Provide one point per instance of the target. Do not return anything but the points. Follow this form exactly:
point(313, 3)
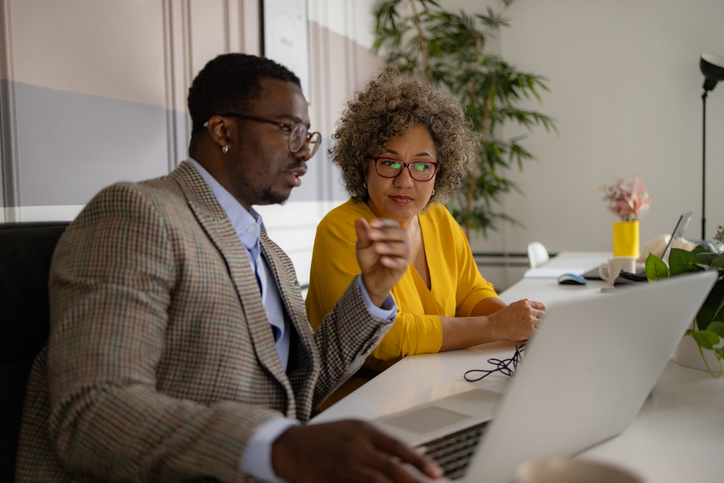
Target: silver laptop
point(584, 377)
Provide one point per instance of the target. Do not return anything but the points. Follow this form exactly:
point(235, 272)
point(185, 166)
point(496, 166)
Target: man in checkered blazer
point(179, 346)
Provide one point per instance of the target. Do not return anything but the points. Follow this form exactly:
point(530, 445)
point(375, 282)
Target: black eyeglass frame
point(435, 165)
point(286, 127)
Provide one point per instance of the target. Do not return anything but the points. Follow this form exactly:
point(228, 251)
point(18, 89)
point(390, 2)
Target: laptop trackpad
point(430, 420)
point(426, 419)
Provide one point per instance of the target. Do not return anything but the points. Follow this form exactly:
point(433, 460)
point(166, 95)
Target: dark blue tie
point(257, 260)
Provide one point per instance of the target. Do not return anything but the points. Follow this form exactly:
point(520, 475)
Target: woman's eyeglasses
point(299, 135)
point(419, 170)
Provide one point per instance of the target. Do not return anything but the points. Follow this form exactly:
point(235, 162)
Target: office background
point(93, 92)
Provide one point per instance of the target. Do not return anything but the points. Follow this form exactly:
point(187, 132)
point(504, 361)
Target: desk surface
point(677, 437)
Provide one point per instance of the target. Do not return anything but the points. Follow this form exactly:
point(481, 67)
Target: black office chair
point(25, 253)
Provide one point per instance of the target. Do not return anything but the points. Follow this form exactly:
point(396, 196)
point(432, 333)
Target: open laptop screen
point(676, 235)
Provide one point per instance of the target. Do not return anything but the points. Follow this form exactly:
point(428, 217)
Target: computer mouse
point(571, 279)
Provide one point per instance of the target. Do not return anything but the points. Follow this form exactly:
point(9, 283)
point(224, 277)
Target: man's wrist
point(256, 459)
point(282, 459)
point(386, 310)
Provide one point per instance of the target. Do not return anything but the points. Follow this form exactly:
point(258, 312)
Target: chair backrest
point(537, 254)
point(25, 253)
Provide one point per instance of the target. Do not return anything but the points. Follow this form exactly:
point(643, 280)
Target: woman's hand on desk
point(517, 321)
point(492, 321)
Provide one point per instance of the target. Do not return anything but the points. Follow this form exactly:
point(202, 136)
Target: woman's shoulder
point(439, 215)
point(349, 209)
point(343, 216)
point(438, 218)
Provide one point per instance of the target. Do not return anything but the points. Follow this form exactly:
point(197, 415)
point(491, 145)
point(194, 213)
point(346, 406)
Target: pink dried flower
point(627, 200)
point(719, 233)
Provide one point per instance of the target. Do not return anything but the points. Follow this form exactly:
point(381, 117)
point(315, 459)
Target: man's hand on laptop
point(348, 450)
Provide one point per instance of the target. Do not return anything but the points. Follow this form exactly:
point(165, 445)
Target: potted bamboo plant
point(420, 37)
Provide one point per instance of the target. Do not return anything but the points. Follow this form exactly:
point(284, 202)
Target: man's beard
point(269, 197)
point(262, 195)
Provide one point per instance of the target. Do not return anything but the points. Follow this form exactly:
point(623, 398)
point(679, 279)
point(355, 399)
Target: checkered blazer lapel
point(302, 369)
point(215, 222)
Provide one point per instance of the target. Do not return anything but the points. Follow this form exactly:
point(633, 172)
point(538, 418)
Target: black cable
point(503, 366)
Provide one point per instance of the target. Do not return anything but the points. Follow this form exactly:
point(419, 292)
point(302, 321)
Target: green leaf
point(717, 327)
point(704, 248)
point(711, 310)
point(705, 339)
point(718, 262)
point(656, 268)
point(706, 258)
point(682, 261)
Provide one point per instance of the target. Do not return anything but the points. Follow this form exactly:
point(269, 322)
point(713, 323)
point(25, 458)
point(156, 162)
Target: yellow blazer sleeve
point(410, 334)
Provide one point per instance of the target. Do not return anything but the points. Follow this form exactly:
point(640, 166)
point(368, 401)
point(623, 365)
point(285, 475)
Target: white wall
point(94, 93)
point(626, 94)
point(625, 91)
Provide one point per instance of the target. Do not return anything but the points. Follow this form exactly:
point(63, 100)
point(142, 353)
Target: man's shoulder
point(162, 189)
point(131, 207)
point(135, 195)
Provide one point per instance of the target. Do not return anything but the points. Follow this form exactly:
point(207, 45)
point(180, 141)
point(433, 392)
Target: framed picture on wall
point(285, 37)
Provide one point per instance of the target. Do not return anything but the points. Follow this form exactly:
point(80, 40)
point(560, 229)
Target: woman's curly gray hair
point(388, 107)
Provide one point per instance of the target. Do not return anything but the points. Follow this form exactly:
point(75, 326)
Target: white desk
point(568, 262)
point(678, 437)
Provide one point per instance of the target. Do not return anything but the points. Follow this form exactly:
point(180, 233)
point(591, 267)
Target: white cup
point(573, 470)
point(609, 271)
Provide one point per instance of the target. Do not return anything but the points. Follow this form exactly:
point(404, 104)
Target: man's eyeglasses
point(419, 170)
point(299, 135)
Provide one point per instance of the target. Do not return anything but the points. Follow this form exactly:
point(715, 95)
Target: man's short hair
point(228, 83)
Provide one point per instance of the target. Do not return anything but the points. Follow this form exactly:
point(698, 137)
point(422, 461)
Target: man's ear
point(218, 127)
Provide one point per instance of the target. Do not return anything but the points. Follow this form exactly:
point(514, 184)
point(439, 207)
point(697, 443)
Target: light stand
point(712, 66)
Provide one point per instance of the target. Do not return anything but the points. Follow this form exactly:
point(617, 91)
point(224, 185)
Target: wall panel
point(101, 48)
point(94, 92)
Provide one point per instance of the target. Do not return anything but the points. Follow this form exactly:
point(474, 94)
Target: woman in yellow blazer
point(403, 149)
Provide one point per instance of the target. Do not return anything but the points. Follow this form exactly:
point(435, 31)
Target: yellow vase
point(626, 239)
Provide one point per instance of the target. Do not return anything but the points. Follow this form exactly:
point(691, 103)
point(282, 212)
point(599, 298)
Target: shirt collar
point(247, 224)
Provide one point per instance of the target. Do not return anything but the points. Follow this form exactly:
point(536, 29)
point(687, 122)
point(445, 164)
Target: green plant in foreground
point(708, 326)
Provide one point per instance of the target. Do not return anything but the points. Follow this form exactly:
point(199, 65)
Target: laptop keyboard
point(454, 451)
